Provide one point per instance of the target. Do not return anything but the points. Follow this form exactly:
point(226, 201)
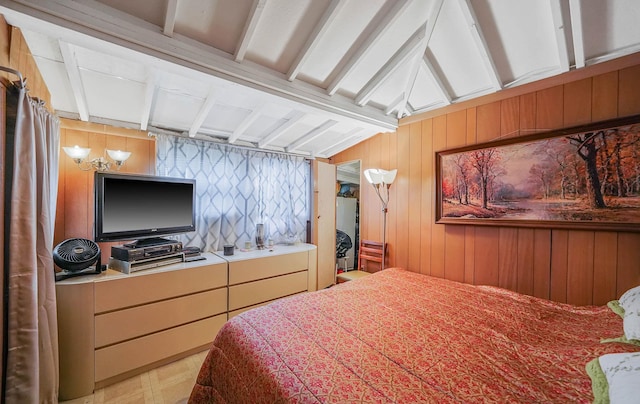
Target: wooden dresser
point(113, 325)
point(259, 276)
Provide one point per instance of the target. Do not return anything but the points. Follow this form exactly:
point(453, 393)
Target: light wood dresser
point(258, 277)
point(113, 325)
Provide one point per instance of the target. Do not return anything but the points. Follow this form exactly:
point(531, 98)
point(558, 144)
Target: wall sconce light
point(79, 154)
point(382, 179)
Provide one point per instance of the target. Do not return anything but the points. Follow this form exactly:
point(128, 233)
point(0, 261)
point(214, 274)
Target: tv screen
point(131, 207)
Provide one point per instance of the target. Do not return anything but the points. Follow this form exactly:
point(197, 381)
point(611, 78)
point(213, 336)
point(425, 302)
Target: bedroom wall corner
point(579, 267)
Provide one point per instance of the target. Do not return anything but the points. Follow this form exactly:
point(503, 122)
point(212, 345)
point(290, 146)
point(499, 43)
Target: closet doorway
point(347, 215)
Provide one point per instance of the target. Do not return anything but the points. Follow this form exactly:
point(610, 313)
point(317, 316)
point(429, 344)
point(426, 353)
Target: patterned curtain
point(238, 188)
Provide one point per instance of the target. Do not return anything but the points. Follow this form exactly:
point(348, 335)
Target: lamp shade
point(76, 152)
point(118, 155)
point(377, 176)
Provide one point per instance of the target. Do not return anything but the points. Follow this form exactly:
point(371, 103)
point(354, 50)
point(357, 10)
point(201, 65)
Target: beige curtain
point(32, 340)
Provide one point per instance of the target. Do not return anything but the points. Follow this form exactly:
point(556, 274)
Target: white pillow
point(622, 371)
point(630, 302)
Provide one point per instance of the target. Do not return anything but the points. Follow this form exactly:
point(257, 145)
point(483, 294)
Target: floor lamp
point(382, 179)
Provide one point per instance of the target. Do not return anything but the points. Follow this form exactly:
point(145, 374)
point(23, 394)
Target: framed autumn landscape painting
point(586, 177)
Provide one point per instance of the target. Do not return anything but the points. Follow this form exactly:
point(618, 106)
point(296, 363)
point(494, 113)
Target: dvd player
point(131, 254)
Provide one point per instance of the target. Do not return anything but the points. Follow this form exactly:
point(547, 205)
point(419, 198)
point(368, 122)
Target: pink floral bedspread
point(397, 336)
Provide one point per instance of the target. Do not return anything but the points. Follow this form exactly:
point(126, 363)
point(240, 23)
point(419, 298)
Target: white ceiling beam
point(560, 34)
point(310, 136)
point(249, 29)
point(100, 21)
point(382, 26)
point(481, 43)
point(73, 72)
point(244, 125)
point(319, 31)
point(170, 17)
point(149, 95)
point(408, 49)
point(575, 8)
point(411, 82)
point(429, 69)
point(297, 116)
point(202, 114)
point(396, 104)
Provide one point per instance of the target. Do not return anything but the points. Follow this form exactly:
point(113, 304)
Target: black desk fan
point(76, 256)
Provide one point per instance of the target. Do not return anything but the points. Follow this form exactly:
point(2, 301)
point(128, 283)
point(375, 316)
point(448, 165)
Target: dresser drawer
point(121, 325)
point(248, 294)
point(133, 354)
point(267, 267)
point(137, 289)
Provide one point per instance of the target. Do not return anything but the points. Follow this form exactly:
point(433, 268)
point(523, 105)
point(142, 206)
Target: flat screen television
point(142, 207)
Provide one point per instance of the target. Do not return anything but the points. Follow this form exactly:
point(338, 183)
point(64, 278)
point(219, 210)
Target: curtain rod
point(153, 132)
point(15, 72)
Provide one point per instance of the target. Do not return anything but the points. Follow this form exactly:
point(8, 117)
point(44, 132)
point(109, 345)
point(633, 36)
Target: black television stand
point(148, 242)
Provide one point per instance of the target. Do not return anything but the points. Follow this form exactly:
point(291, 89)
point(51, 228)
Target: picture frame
point(583, 177)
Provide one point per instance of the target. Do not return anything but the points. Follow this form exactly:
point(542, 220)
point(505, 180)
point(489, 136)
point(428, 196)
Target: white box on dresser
point(114, 325)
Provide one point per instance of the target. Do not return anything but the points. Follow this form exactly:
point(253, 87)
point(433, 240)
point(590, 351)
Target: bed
point(398, 336)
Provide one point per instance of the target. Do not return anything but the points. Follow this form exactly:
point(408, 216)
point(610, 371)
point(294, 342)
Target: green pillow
point(614, 305)
point(599, 383)
point(622, 339)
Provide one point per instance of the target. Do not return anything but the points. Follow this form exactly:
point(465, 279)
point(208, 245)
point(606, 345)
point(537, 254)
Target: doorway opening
point(347, 215)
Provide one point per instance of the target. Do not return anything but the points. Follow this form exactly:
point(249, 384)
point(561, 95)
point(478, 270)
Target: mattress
point(398, 336)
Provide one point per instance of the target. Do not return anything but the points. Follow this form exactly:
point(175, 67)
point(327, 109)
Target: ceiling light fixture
point(79, 154)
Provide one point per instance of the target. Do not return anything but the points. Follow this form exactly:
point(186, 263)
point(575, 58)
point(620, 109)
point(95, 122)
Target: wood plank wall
point(579, 267)
point(74, 212)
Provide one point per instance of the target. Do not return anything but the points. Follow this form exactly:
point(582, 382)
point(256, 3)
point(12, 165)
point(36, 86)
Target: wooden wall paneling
point(402, 198)
point(527, 113)
point(605, 261)
point(98, 145)
point(508, 258)
point(454, 239)
point(472, 122)
point(526, 261)
point(542, 263)
point(580, 267)
point(488, 122)
point(549, 108)
point(577, 102)
point(438, 230)
point(393, 199)
point(76, 190)
point(559, 246)
point(454, 244)
point(427, 195)
point(470, 231)
point(143, 157)
point(629, 91)
point(604, 96)
point(415, 196)
point(628, 274)
point(469, 254)
point(456, 129)
point(487, 255)
point(510, 117)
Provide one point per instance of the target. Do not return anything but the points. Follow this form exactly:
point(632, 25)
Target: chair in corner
point(369, 260)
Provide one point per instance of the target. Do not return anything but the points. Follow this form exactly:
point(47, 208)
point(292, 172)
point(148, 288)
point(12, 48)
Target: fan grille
point(75, 254)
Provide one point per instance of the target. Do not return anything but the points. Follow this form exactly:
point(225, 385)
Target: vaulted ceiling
point(311, 77)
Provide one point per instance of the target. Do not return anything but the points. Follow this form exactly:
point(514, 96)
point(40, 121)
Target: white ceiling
point(312, 77)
